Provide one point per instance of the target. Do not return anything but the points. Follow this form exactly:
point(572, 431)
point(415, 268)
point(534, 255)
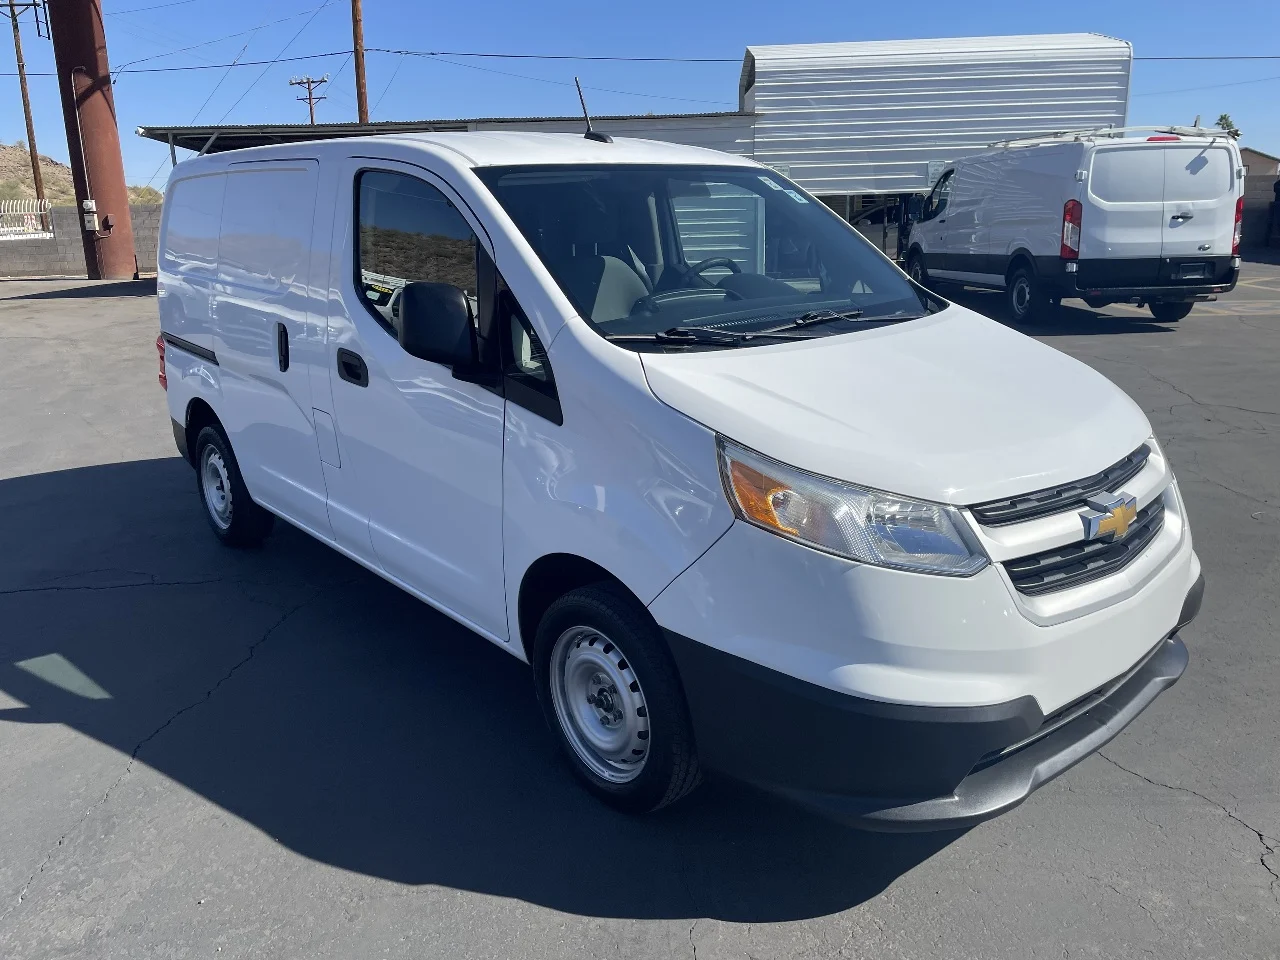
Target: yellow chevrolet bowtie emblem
point(1110, 517)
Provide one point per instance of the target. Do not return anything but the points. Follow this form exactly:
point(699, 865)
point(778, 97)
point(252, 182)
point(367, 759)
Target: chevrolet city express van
point(657, 422)
point(1107, 216)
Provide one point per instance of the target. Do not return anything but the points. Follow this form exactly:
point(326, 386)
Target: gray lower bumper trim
point(991, 790)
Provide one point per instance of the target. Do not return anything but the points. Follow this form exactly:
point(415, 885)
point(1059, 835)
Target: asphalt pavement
point(211, 753)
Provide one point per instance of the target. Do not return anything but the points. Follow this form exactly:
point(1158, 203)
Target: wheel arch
point(547, 579)
point(1021, 257)
point(199, 415)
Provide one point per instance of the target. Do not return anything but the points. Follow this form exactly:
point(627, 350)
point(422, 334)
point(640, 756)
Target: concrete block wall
point(62, 255)
point(1258, 197)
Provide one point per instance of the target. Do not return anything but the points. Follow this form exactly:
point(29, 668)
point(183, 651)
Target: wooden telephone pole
point(14, 9)
point(357, 38)
point(310, 99)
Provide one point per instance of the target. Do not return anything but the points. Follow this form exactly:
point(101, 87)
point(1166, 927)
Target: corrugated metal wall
point(847, 118)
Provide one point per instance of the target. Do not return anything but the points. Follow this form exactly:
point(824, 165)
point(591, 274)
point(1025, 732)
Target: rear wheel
point(236, 520)
point(611, 695)
point(1027, 302)
point(1167, 312)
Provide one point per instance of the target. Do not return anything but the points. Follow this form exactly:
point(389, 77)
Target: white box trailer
point(878, 117)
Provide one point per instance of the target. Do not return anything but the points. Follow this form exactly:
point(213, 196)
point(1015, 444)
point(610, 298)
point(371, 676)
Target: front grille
point(1068, 496)
point(1077, 563)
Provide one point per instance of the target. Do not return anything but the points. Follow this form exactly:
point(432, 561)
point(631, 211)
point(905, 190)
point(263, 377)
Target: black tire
point(243, 523)
point(1167, 312)
point(1025, 298)
point(603, 620)
point(916, 270)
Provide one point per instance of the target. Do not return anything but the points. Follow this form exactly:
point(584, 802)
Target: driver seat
point(604, 287)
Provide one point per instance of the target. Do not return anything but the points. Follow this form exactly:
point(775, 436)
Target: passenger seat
point(604, 287)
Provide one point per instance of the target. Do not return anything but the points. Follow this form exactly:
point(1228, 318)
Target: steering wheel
point(707, 264)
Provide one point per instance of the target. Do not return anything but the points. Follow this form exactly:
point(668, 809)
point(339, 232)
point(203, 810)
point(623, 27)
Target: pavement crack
point(133, 755)
point(692, 945)
point(1269, 844)
point(112, 586)
point(1177, 389)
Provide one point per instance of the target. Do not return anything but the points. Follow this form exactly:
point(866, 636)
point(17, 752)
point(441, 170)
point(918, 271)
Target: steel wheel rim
point(599, 704)
point(216, 486)
point(917, 274)
point(1021, 296)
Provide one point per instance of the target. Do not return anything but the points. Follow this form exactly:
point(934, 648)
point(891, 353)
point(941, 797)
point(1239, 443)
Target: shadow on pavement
point(357, 726)
point(1072, 319)
point(121, 288)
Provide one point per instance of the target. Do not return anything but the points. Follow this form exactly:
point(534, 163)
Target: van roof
point(486, 148)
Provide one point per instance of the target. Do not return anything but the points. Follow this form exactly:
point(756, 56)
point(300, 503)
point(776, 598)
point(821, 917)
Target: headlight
point(864, 525)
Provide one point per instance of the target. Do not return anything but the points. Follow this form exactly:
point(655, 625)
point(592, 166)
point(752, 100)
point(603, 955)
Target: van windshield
point(645, 249)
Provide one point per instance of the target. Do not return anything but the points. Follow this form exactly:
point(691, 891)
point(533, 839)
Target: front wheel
point(916, 270)
point(1167, 312)
point(610, 694)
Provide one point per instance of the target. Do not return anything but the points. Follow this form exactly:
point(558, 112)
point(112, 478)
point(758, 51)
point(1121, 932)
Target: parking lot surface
point(209, 753)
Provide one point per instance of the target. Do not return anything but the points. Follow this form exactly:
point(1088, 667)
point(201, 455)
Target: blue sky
point(405, 88)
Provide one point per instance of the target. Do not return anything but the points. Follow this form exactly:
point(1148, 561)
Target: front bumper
point(899, 767)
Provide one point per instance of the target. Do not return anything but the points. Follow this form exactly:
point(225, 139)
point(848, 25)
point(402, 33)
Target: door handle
point(282, 347)
point(352, 368)
point(1182, 216)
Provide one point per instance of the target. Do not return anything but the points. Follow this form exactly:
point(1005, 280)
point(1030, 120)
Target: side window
point(526, 371)
point(408, 231)
point(937, 201)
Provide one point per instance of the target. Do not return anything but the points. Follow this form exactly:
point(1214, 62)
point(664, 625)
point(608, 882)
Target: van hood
point(953, 408)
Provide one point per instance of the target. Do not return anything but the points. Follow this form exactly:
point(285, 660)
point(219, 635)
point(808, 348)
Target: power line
point(229, 36)
point(399, 64)
point(552, 56)
point(315, 13)
point(1212, 86)
point(158, 6)
point(207, 66)
point(564, 83)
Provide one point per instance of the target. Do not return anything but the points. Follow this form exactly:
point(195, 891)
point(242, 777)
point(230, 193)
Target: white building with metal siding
point(856, 118)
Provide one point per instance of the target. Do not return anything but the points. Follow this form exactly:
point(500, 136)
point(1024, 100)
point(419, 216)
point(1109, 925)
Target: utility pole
point(311, 99)
point(357, 38)
point(36, 176)
point(93, 142)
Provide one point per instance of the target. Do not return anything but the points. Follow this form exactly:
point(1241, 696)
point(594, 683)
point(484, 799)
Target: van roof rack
point(1075, 135)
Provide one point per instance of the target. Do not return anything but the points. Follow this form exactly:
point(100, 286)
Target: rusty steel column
point(93, 141)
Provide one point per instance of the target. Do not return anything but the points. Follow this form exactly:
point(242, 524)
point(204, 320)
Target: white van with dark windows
point(654, 420)
point(1107, 216)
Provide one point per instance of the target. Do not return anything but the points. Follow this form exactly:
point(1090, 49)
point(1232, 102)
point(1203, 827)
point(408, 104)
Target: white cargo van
point(656, 421)
point(1107, 216)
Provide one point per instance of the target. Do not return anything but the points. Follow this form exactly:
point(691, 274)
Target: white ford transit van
point(654, 420)
point(1105, 216)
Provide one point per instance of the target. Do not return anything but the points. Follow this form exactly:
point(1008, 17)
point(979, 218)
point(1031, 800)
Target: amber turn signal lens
point(755, 492)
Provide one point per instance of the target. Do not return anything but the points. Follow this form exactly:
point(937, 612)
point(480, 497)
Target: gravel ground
point(276, 754)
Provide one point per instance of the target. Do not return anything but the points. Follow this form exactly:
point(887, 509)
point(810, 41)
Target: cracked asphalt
point(207, 753)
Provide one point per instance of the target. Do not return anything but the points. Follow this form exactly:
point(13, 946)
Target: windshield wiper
point(816, 316)
point(701, 336)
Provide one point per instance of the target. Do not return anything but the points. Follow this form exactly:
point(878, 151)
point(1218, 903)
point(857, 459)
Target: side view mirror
point(915, 206)
point(435, 324)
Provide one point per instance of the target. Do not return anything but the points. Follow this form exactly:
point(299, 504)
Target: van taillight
point(164, 379)
point(1071, 211)
point(1236, 234)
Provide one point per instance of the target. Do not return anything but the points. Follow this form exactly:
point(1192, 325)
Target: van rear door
point(1124, 211)
point(1199, 200)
